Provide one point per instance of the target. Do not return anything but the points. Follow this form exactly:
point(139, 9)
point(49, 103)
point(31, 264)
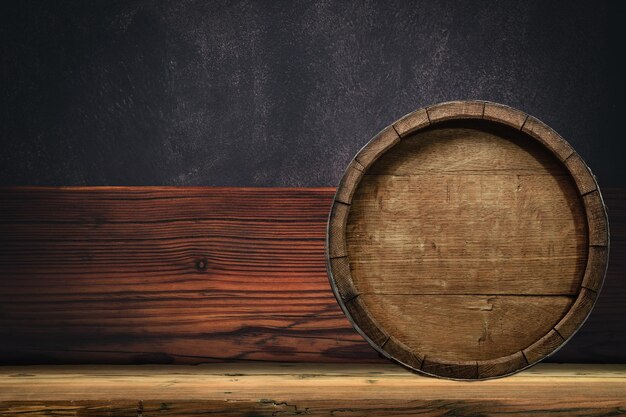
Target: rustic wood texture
point(519, 320)
point(110, 275)
point(167, 275)
point(377, 146)
point(306, 389)
point(469, 241)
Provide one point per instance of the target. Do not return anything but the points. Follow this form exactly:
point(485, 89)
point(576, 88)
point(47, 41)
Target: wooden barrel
point(467, 240)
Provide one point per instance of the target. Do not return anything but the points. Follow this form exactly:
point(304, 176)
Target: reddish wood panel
point(191, 275)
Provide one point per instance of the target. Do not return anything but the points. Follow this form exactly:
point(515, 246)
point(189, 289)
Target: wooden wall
point(192, 275)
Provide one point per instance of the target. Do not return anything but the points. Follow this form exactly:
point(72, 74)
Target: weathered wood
point(376, 147)
point(505, 114)
point(603, 337)
point(455, 231)
point(519, 320)
point(336, 237)
point(352, 176)
point(411, 122)
point(470, 241)
point(548, 137)
point(70, 294)
point(306, 389)
point(455, 110)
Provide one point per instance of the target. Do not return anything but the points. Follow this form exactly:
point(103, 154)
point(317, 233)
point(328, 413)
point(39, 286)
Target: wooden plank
point(485, 326)
point(505, 114)
point(377, 146)
point(411, 122)
point(455, 110)
point(353, 175)
point(306, 389)
point(476, 234)
point(438, 150)
point(548, 136)
point(263, 295)
point(161, 275)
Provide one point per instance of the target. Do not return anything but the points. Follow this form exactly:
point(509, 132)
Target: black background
point(283, 93)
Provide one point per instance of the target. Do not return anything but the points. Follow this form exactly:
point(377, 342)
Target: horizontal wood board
point(347, 390)
point(193, 275)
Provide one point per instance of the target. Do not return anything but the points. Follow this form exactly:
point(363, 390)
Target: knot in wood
point(201, 265)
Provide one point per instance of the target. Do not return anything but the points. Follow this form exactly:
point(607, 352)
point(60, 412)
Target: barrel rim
point(597, 251)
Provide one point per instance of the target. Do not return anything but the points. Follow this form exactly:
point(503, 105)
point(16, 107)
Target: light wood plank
point(296, 389)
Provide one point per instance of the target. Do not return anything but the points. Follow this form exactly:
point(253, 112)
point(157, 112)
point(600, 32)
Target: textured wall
point(272, 93)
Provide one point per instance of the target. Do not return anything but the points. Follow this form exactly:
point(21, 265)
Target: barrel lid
point(467, 240)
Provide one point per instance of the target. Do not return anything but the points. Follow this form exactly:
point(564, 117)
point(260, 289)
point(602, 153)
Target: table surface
point(260, 389)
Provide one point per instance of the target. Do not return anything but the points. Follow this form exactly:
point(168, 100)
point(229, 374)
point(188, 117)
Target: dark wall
point(272, 93)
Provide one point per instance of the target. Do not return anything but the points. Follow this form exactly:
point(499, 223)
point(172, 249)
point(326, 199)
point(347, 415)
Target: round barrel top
point(467, 240)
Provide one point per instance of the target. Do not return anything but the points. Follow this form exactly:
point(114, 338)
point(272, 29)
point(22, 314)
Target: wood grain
point(167, 275)
point(504, 323)
point(455, 110)
point(468, 240)
point(474, 234)
point(255, 389)
point(69, 294)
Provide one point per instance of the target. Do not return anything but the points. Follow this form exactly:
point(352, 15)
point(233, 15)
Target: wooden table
point(287, 389)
